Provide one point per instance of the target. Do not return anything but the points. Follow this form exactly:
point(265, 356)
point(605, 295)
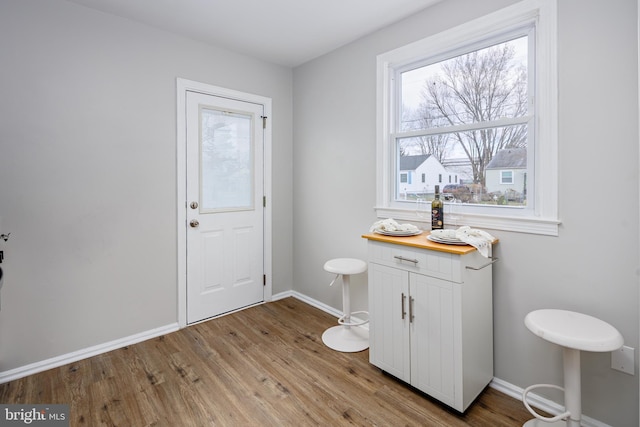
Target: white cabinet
point(431, 319)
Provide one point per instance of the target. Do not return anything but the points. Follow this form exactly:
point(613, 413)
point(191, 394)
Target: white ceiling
point(286, 32)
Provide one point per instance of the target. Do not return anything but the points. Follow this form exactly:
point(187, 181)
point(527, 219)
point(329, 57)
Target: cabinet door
point(432, 336)
point(389, 320)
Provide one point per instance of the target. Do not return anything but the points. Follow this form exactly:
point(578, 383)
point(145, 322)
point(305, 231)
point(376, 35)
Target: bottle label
point(436, 219)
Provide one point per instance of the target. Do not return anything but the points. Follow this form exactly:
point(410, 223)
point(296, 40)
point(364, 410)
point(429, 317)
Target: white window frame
point(543, 217)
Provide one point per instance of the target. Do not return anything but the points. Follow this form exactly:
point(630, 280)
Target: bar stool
point(575, 332)
point(344, 337)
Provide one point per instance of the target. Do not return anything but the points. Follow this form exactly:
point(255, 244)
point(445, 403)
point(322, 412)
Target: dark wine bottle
point(437, 220)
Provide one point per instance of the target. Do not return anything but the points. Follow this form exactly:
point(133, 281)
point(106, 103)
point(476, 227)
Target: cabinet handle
point(411, 300)
point(401, 258)
point(402, 306)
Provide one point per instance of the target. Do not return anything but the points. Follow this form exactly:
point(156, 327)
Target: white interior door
point(225, 213)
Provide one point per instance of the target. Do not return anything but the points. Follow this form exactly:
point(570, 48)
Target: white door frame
point(184, 86)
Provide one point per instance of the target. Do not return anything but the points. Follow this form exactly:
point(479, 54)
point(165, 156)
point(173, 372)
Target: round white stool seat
point(575, 332)
point(346, 337)
point(345, 266)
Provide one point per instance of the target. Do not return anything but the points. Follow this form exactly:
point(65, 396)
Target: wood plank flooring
point(263, 366)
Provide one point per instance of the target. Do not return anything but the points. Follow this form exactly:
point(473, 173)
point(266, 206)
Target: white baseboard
point(312, 302)
point(319, 305)
point(64, 359)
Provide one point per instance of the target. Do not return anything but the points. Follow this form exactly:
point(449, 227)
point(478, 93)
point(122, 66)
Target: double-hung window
point(473, 102)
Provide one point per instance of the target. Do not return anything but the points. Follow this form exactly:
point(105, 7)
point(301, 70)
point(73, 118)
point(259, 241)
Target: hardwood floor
point(263, 366)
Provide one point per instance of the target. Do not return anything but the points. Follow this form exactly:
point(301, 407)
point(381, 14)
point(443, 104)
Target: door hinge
point(264, 280)
point(264, 201)
point(264, 122)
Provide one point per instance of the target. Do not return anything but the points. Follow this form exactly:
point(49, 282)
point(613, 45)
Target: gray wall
point(88, 173)
point(591, 267)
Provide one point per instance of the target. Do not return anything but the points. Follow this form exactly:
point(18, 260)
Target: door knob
point(194, 223)
point(194, 205)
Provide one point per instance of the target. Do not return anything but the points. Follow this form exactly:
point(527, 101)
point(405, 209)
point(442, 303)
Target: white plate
point(459, 243)
point(398, 233)
point(445, 239)
point(445, 242)
point(444, 234)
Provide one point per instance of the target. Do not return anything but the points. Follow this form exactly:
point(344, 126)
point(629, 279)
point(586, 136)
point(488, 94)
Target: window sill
point(542, 226)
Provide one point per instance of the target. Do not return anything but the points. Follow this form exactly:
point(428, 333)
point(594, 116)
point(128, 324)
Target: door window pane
point(226, 160)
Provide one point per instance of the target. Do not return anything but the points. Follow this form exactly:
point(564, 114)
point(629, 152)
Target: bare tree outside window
point(465, 110)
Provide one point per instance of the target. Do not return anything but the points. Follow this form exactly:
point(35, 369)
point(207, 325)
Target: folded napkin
point(391, 225)
point(479, 239)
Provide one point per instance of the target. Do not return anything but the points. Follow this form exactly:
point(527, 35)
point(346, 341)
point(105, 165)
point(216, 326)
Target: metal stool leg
point(572, 392)
point(346, 302)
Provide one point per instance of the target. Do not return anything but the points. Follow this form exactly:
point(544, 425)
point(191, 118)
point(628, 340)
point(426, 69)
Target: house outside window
point(425, 166)
point(427, 109)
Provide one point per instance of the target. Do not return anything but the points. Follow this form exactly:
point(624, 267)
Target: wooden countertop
point(421, 241)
